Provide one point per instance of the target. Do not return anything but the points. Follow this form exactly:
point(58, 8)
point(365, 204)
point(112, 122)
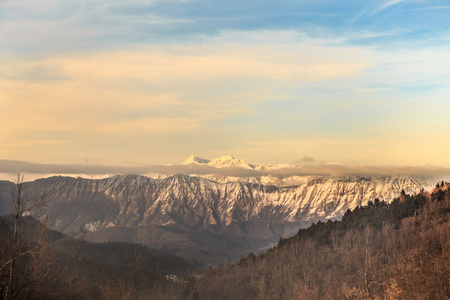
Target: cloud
point(305, 159)
point(145, 104)
point(385, 5)
point(345, 170)
point(376, 10)
point(102, 99)
point(438, 7)
point(10, 168)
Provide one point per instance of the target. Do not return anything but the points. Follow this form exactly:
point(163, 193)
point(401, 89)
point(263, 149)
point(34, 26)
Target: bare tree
point(24, 241)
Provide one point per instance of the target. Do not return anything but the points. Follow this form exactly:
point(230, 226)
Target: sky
point(134, 83)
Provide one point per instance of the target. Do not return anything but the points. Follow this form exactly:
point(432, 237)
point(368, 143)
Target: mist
point(10, 168)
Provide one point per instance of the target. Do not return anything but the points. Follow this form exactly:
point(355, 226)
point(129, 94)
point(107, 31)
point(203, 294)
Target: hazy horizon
point(31, 171)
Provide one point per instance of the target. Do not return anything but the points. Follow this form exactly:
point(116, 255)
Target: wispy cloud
point(306, 159)
point(155, 92)
point(373, 11)
point(230, 94)
point(384, 6)
point(437, 7)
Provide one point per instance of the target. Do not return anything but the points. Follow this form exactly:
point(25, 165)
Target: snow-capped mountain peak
point(193, 159)
point(219, 162)
point(225, 158)
point(229, 161)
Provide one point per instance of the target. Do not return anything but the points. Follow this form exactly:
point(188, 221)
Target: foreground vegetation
point(399, 250)
point(38, 263)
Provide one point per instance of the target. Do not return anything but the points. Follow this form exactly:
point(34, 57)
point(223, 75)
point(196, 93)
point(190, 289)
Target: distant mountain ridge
point(198, 218)
point(193, 159)
point(226, 161)
point(229, 161)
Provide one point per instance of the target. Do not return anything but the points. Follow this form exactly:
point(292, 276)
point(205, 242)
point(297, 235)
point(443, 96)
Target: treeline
point(399, 250)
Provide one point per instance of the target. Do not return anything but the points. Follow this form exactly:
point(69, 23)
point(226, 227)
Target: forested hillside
point(399, 250)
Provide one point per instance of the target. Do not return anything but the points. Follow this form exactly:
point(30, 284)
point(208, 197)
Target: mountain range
point(203, 220)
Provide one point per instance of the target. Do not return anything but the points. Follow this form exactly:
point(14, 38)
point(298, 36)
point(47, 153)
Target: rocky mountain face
point(202, 219)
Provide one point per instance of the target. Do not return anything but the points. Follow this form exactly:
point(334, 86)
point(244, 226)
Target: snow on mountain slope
point(226, 161)
point(209, 215)
point(195, 160)
point(229, 161)
point(194, 201)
